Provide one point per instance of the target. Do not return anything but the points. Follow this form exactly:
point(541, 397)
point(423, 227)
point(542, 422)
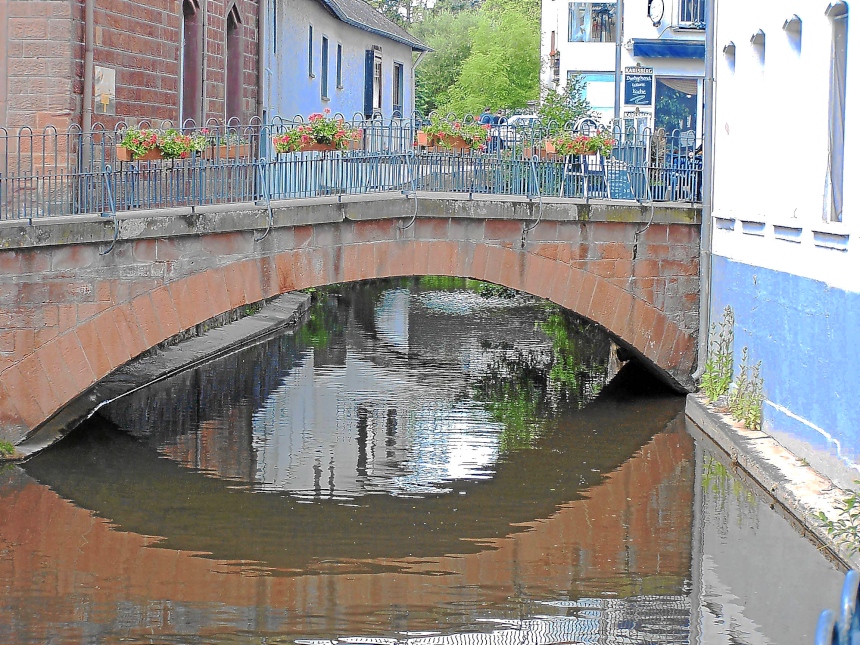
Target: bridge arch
point(81, 315)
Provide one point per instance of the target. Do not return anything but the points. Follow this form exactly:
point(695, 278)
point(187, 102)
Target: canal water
point(422, 462)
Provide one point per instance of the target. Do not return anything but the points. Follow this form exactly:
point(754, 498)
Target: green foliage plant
point(562, 109)
point(720, 363)
point(845, 529)
point(747, 395)
point(6, 449)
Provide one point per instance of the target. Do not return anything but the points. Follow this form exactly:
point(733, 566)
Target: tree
point(402, 12)
point(449, 35)
point(568, 106)
point(503, 66)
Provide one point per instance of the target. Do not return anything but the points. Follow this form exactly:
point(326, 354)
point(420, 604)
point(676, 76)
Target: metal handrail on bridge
point(53, 173)
point(843, 629)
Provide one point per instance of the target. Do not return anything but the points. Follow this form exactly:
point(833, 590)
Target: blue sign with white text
point(638, 87)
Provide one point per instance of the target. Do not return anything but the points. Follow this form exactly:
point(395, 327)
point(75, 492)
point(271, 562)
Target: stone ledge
point(801, 491)
point(159, 364)
point(226, 218)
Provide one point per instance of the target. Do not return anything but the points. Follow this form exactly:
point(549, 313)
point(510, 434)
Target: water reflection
point(418, 465)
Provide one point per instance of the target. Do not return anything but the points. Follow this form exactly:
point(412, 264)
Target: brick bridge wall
point(69, 315)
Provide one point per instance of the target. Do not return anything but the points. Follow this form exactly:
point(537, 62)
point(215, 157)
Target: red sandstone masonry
point(89, 326)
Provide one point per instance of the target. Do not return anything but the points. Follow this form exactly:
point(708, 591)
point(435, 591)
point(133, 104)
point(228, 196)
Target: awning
point(660, 48)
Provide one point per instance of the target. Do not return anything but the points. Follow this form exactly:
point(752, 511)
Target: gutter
point(87, 112)
point(705, 251)
point(262, 21)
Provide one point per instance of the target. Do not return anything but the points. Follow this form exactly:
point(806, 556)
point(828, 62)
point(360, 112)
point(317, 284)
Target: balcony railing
point(691, 14)
point(51, 173)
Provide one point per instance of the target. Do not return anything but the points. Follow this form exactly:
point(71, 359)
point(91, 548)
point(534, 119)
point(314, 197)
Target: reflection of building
point(785, 219)
point(582, 571)
point(579, 37)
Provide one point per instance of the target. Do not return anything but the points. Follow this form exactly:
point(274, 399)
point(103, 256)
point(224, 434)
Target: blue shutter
point(368, 83)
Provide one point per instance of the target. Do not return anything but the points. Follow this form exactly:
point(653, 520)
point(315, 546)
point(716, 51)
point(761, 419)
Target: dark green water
point(417, 463)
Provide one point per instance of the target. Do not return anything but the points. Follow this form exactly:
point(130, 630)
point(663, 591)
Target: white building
point(667, 36)
point(786, 215)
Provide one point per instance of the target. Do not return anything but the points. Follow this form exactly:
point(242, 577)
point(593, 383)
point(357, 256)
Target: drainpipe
point(619, 41)
point(87, 112)
point(262, 21)
point(705, 257)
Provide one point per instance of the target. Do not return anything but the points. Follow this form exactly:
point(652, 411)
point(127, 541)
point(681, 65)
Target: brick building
point(151, 60)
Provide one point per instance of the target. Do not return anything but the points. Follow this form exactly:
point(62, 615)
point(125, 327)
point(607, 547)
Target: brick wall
point(140, 40)
point(40, 63)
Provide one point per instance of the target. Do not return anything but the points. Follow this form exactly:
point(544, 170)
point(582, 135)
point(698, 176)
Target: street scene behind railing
point(158, 165)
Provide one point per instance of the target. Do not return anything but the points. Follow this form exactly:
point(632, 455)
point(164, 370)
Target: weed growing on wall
point(747, 394)
point(720, 363)
point(845, 530)
point(6, 449)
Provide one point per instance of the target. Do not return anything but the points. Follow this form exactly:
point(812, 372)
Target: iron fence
point(51, 173)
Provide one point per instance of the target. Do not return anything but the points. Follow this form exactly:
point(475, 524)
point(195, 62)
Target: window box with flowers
point(149, 145)
point(567, 144)
point(321, 133)
point(227, 145)
point(458, 135)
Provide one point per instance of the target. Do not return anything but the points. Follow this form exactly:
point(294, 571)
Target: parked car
point(514, 130)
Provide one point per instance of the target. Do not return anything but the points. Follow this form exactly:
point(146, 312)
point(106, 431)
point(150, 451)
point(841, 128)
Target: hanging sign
point(638, 85)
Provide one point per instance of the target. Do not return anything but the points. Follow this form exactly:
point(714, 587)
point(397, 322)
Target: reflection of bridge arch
point(78, 315)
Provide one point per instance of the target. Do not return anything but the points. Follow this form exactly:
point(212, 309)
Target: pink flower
point(327, 111)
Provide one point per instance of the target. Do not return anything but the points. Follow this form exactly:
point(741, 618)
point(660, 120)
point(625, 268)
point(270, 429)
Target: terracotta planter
point(124, 154)
point(317, 147)
point(455, 143)
point(424, 139)
point(233, 151)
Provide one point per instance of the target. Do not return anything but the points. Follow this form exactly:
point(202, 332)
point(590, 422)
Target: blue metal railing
point(66, 173)
point(843, 629)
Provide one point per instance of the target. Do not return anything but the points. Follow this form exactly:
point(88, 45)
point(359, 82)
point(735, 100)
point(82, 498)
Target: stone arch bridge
point(71, 312)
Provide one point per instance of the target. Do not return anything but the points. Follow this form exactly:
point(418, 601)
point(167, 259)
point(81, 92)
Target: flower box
point(124, 154)
point(317, 147)
point(454, 143)
point(424, 139)
point(232, 151)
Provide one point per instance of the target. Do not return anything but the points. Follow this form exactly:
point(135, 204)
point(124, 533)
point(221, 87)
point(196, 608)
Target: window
point(599, 89)
point(691, 14)
point(838, 14)
point(234, 66)
point(311, 51)
point(338, 70)
point(377, 83)
point(397, 107)
point(191, 84)
point(274, 11)
point(591, 22)
point(324, 68)
point(372, 81)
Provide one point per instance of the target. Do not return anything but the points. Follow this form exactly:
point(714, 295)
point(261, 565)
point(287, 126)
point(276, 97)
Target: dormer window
point(591, 22)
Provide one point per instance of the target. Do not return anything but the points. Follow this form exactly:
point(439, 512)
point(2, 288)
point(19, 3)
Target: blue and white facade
point(581, 37)
point(337, 54)
point(786, 216)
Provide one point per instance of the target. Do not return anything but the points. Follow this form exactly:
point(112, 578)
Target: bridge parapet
point(72, 312)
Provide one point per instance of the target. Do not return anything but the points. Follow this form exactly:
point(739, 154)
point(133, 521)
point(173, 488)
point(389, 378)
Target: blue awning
point(658, 48)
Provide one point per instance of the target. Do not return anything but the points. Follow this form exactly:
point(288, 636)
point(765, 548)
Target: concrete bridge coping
point(70, 313)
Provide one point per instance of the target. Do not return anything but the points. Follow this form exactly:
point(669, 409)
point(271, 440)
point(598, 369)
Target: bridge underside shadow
point(78, 315)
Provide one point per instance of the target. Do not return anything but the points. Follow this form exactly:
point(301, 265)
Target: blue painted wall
point(807, 336)
point(291, 91)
